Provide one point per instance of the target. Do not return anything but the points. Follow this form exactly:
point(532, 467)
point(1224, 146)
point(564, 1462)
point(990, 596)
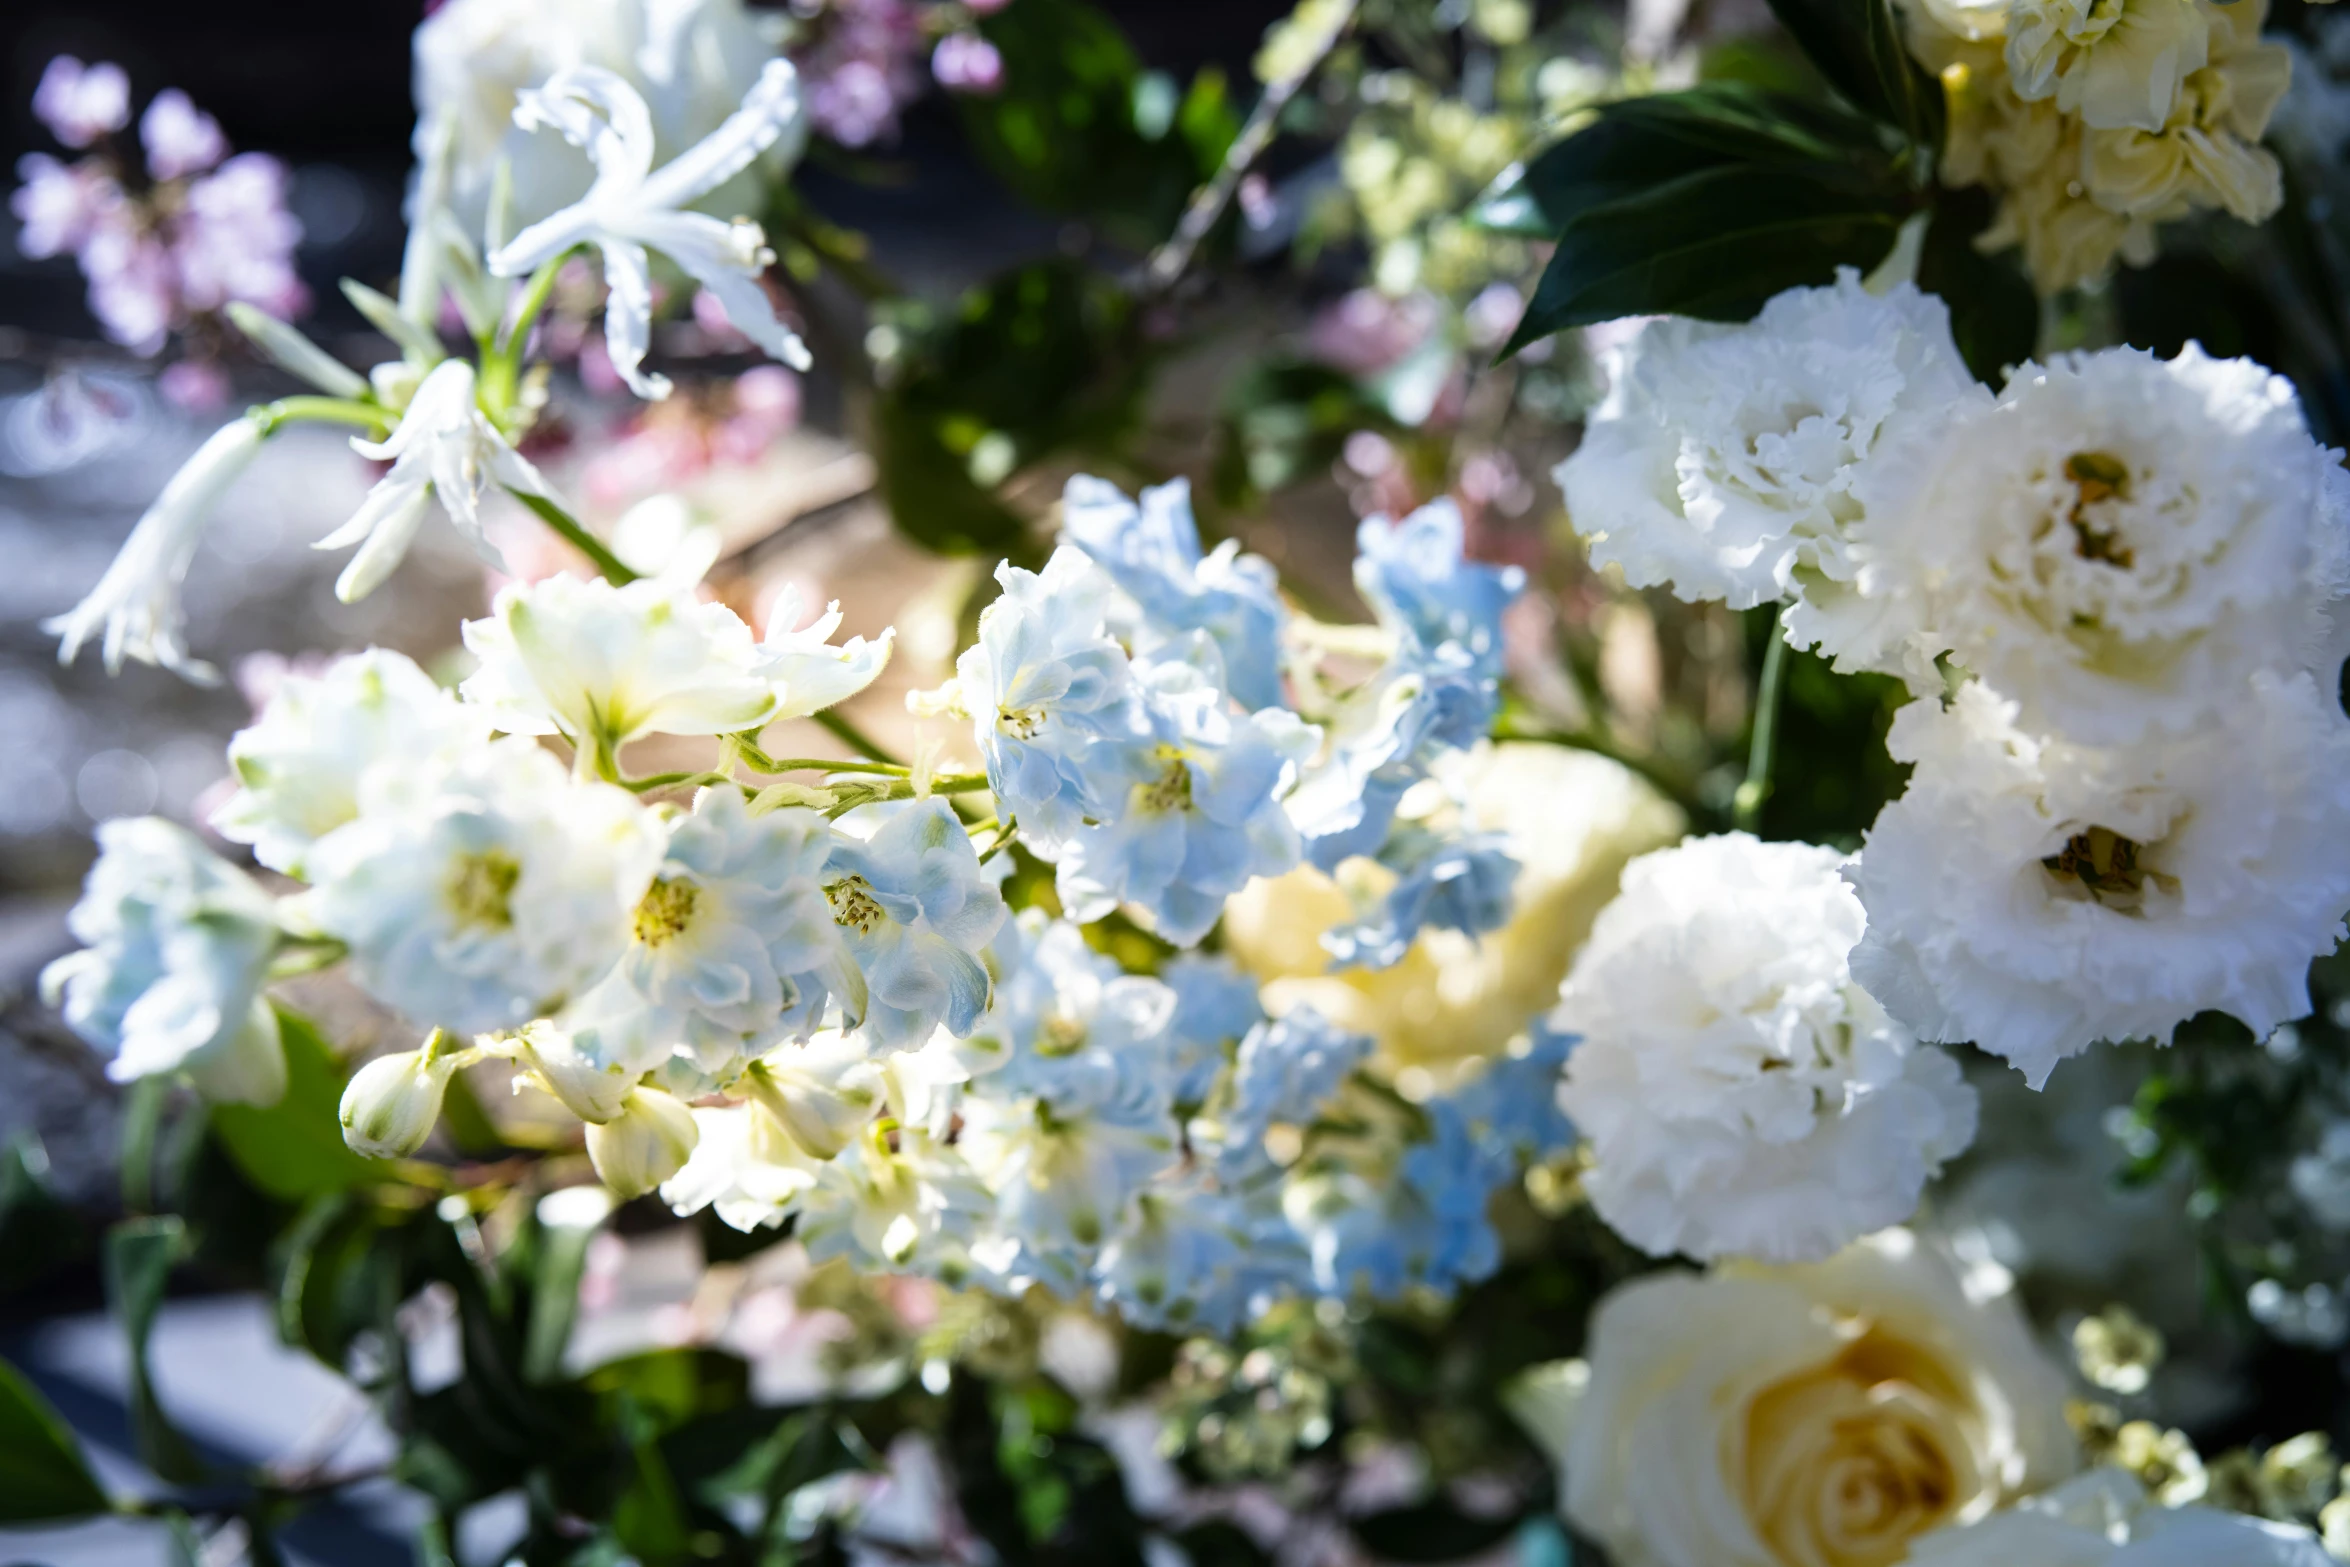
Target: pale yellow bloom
point(2114, 63)
point(2207, 153)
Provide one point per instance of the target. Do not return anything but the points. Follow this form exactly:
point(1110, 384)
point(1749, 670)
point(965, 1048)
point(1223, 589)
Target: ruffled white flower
point(1063, 1175)
point(176, 945)
point(1741, 1094)
point(2035, 896)
point(298, 765)
point(2106, 1519)
point(691, 59)
point(2114, 63)
point(444, 447)
point(808, 671)
point(1824, 1414)
point(633, 206)
point(2118, 545)
point(601, 665)
point(731, 948)
point(135, 608)
point(488, 894)
point(1722, 462)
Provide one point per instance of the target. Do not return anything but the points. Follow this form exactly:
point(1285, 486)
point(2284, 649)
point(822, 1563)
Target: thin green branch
point(614, 569)
point(846, 731)
point(321, 410)
point(1746, 807)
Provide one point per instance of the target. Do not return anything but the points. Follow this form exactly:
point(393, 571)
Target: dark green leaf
point(1994, 315)
point(339, 1276)
point(38, 1233)
point(42, 1472)
point(648, 1518)
point(142, 1122)
point(1220, 1544)
point(1857, 46)
point(558, 1260)
point(139, 1258)
point(1714, 244)
point(1431, 1532)
point(294, 1149)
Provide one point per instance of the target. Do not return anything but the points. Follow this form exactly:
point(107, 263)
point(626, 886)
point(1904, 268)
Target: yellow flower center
point(1171, 790)
point(666, 910)
point(2097, 477)
point(853, 904)
point(2104, 863)
point(480, 889)
point(1021, 723)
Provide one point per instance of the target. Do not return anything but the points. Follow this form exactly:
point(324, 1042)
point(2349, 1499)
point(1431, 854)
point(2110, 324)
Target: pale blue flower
point(1079, 1033)
point(1381, 741)
point(1215, 1007)
point(1152, 551)
point(1514, 1103)
point(915, 908)
point(1175, 1264)
point(1286, 1071)
point(1193, 800)
point(1464, 884)
point(1414, 577)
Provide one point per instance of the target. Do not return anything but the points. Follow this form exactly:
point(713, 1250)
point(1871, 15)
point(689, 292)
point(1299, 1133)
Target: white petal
point(769, 110)
point(628, 317)
point(392, 531)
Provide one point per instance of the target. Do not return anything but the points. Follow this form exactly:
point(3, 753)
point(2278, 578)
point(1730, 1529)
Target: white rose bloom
point(298, 765)
point(486, 895)
point(176, 944)
point(602, 665)
point(2117, 545)
point(1821, 1415)
point(2114, 63)
point(2105, 1519)
point(1741, 1094)
point(728, 945)
point(1722, 462)
point(2035, 897)
point(693, 60)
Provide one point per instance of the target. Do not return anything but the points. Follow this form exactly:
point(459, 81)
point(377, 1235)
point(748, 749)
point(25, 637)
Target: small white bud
point(588, 1089)
point(390, 1105)
point(645, 1144)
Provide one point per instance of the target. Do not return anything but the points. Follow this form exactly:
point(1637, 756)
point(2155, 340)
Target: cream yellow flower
point(2114, 63)
point(1571, 819)
point(2207, 151)
point(1823, 1415)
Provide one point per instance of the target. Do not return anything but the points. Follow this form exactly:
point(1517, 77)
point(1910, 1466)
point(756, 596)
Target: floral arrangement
point(1253, 1082)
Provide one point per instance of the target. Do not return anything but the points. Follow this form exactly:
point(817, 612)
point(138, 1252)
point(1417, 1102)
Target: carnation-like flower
point(298, 764)
point(2106, 1519)
point(1825, 1414)
point(2114, 63)
point(632, 207)
point(1741, 1095)
point(1722, 462)
point(915, 908)
point(176, 944)
point(136, 605)
point(489, 892)
point(731, 948)
point(602, 665)
point(2035, 896)
point(444, 448)
point(2117, 545)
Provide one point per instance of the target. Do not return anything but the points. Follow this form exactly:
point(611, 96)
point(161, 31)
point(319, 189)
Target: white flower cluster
point(808, 1002)
point(2116, 588)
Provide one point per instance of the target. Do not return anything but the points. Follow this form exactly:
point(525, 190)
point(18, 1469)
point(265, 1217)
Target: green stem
point(850, 735)
point(671, 780)
point(515, 334)
point(1746, 810)
point(321, 410)
point(614, 569)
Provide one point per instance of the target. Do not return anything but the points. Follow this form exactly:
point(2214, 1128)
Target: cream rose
point(1571, 819)
point(1822, 1415)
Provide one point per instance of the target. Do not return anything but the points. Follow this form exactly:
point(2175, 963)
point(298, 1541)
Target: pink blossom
point(766, 408)
point(57, 205)
point(864, 66)
point(236, 240)
point(1366, 331)
point(853, 104)
point(1493, 315)
point(80, 103)
point(710, 316)
point(966, 62)
point(596, 374)
point(196, 386)
point(985, 7)
point(133, 284)
point(1258, 207)
point(180, 138)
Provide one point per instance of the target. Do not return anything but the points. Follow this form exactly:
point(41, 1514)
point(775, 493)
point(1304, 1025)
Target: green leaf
point(649, 1518)
point(1643, 142)
point(1857, 46)
point(294, 1149)
point(339, 1269)
point(1714, 244)
point(142, 1122)
point(43, 1475)
point(1994, 315)
point(139, 1258)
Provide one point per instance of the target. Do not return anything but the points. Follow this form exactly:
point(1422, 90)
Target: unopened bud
point(587, 1088)
point(391, 1103)
point(645, 1144)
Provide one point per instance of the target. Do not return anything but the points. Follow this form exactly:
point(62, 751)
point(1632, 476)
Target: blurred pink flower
point(57, 205)
point(236, 239)
point(966, 62)
point(1493, 315)
point(853, 104)
point(194, 385)
point(180, 138)
point(1366, 331)
point(80, 103)
point(134, 289)
point(863, 68)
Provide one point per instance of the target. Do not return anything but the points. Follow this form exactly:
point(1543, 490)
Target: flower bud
point(391, 1103)
point(645, 1144)
point(588, 1089)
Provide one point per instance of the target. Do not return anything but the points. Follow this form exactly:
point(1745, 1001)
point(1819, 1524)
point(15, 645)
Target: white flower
point(298, 765)
point(632, 206)
point(551, 1061)
point(914, 907)
point(1063, 1175)
point(744, 1167)
point(2114, 63)
point(137, 603)
point(391, 1103)
point(1722, 462)
point(818, 1093)
point(487, 894)
point(177, 943)
point(2035, 897)
point(2117, 545)
point(444, 447)
point(731, 947)
point(809, 673)
point(1820, 1415)
point(2105, 1519)
point(899, 1199)
point(691, 59)
point(1741, 1095)
point(601, 665)
point(646, 1144)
